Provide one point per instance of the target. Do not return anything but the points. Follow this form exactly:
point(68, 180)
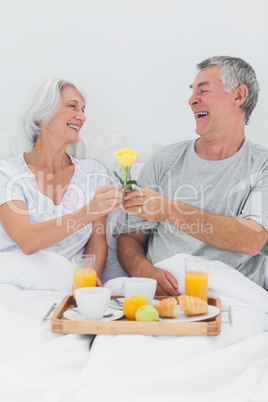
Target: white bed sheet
point(232, 366)
point(35, 364)
point(38, 365)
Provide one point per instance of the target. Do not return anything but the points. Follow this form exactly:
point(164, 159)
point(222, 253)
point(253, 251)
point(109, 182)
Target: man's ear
point(241, 94)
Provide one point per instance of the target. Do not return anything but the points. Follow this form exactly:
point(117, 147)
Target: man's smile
point(199, 115)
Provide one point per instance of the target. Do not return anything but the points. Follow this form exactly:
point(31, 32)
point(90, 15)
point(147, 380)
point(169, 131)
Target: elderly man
point(206, 197)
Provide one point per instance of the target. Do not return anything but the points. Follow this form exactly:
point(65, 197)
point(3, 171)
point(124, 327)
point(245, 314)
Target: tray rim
point(60, 324)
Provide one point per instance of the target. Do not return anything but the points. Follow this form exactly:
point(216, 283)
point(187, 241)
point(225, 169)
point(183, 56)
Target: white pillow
point(156, 147)
point(12, 144)
point(42, 270)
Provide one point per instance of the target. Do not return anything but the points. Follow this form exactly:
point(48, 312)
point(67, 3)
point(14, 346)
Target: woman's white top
point(17, 182)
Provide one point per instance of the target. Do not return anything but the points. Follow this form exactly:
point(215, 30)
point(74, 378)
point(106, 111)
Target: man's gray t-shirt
point(236, 187)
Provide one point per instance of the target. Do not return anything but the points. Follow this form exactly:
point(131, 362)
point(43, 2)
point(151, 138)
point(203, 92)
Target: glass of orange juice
point(84, 274)
point(196, 277)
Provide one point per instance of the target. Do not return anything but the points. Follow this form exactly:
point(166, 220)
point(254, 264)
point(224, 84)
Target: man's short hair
point(235, 72)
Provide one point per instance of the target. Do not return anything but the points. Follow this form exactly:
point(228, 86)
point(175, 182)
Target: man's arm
point(131, 255)
point(225, 232)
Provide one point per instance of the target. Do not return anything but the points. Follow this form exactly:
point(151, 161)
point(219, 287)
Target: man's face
point(213, 108)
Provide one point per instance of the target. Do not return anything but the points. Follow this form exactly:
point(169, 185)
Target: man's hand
point(166, 283)
point(147, 204)
point(130, 250)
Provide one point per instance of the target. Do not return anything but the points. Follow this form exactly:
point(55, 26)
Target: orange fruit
point(132, 304)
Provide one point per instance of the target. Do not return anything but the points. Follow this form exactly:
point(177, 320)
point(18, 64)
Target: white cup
point(145, 287)
point(92, 302)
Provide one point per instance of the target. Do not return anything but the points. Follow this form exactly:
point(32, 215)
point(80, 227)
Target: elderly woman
point(49, 200)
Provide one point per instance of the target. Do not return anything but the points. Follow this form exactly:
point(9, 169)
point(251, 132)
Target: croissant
point(167, 307)
point(193, 305)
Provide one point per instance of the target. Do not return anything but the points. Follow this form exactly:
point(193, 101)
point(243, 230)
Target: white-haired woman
point(48, 199)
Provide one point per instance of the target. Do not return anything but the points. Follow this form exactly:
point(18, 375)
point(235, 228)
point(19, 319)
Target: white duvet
point(38, 365)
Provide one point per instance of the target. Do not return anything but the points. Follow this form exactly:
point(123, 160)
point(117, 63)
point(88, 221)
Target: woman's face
point(70, 117)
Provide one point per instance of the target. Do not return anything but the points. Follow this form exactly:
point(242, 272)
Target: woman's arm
point(97, 245)
point(15, 218)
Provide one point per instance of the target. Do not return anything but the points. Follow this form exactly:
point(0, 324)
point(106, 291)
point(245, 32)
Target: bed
point(39, 365)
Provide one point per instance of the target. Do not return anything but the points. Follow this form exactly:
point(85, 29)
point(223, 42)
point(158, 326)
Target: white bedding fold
point(38, 365)
point(180, 369)
point(230, 367)
point(35, 363)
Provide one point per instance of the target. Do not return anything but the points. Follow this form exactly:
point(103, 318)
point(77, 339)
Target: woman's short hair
point(235, 72)
point(40, 104)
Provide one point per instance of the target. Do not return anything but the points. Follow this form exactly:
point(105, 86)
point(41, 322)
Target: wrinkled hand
point(166, 283)
point(147, 204)
point(106, 199)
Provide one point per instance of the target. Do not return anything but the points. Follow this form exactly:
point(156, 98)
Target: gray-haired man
point(206, 197)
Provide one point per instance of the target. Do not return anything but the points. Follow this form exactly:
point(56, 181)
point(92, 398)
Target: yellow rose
point(126, 157)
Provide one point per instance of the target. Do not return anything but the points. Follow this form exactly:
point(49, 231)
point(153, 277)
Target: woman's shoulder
point(12, 164)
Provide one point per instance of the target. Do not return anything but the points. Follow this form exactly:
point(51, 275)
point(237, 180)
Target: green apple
point(147, 313)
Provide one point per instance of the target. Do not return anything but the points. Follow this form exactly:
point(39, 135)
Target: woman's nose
point(81, 116)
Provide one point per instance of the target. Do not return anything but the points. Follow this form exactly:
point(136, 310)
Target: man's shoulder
point(169, 157)
point(258, 149)
point(258, 154)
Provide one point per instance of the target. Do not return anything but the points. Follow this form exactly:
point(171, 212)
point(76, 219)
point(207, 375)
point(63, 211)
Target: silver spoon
point(118, 302)
point(108, 315)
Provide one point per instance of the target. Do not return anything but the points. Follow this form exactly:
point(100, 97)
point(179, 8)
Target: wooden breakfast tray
point(61, 324)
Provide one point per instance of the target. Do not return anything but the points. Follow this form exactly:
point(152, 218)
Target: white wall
point(135, 59)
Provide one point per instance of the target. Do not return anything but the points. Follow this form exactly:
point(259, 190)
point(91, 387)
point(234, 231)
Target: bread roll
point(167, 307)
point(193, 305)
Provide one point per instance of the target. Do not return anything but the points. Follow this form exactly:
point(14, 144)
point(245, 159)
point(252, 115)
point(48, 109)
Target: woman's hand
point(106, 199)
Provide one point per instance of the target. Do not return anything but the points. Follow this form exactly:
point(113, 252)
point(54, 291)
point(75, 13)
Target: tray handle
point(51, 309)
point(229, 311)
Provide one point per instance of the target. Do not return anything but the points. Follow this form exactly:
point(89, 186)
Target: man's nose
point(193, 99)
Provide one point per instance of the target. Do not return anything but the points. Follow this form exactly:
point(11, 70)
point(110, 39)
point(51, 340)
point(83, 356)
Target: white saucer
point(181, 317)
point(116, 306)
point(74, 315)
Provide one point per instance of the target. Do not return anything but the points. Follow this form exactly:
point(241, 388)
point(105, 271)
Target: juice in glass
point(196, 284)
point(84, 274)
point(84, 277)
point(196, 277)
